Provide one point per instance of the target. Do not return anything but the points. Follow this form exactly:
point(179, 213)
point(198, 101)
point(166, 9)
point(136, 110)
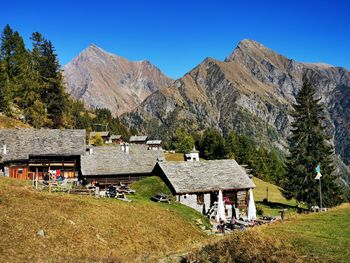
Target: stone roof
point(205, 176)
point(154, 142)
point(102, 134)
point(138, 138)
point(111, 160)
point(21, 143)
point(115, 137)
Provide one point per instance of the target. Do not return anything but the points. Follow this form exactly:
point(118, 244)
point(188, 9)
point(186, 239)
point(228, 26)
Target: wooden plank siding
point(18, 172)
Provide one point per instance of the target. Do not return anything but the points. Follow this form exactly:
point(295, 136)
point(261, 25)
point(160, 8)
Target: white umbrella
point(221, 208)
point(251, 207)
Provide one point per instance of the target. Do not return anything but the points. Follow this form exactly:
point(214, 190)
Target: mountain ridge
point(105, 80)
point(250, 92)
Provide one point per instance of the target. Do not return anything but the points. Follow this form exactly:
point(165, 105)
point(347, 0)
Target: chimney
point(5, 149)
point(90, 149)
point(125, 147)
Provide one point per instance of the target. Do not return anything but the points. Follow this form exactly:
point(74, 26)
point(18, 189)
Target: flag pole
point(318, 177)
point(320, 195)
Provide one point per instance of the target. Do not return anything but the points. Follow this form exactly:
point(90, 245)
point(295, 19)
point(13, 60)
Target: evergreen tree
point(52, 92)
point(212, 145)
point(15, 60)
point(33, 108)
point(182, 141)
point(308, 147)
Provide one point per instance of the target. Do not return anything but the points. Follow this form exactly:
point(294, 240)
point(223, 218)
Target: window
point(20, 170)
point(200, 199)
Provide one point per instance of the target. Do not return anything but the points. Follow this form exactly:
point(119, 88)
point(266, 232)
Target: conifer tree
point(212, 145)
point(308, 147)
point(53, 94)
point(15, 59)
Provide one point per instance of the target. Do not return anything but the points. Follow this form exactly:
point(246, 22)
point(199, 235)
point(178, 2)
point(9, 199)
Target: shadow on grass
point(275, 205)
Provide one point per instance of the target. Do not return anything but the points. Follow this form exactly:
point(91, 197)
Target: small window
point(20, 170)
point(200, 199)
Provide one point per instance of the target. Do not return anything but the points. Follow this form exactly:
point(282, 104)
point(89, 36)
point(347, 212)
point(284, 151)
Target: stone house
point(119, 164)
point(27, 153)
point(196, 184)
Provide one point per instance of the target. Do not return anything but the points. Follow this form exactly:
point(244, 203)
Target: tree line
point(264, 163)
point(295, 171)
point(32, 88)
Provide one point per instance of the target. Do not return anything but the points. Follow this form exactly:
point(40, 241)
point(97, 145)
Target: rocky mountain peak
point(105, 80)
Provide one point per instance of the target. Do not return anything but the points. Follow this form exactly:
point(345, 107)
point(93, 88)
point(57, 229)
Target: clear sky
point(176, 35)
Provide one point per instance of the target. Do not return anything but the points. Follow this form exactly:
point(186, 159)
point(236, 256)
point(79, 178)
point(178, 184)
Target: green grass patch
point(317, 237)
point(149, 186)
point(275, 199)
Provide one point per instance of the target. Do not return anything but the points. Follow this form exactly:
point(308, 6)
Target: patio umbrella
point(251, 207)
point(234, 216)
point(221, 208)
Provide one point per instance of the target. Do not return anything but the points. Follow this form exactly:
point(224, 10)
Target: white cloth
point(251, 207)
point(221, 208)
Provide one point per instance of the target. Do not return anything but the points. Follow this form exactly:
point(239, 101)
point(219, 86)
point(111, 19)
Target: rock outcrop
point(104, 80)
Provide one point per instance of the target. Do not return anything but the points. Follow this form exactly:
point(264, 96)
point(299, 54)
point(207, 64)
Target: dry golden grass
point(248, 246)
point(85, 229)
point(176, 157)
point(6, 123)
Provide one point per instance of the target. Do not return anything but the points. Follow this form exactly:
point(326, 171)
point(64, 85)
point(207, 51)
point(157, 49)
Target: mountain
point(251, 92)
point(105, 80)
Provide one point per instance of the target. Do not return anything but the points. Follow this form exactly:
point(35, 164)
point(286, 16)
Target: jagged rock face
point(251, 92)
point(105, 80)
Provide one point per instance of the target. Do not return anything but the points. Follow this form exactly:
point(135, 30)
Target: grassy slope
point(85, 229)
point(317, 237)
point(6, 122)
point(148, 187)
point(277, 201)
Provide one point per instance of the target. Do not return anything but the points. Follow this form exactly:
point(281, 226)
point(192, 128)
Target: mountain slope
point(105, 80)
point(250, 92)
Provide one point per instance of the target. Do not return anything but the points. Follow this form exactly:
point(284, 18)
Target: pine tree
point(53, 94)
point(15, 60)
point(308, 147)
point(182, 141)
point(213, 145)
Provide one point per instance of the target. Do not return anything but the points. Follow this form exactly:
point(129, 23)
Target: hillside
point(318, 237)
point(105, 80)
point(86, 229)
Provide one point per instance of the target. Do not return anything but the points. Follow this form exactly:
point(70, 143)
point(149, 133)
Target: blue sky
point(176, 35)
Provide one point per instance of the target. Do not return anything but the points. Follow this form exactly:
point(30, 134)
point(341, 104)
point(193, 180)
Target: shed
point(116, 139)
point(104, 135)
point(154, 144)
point(138, 139)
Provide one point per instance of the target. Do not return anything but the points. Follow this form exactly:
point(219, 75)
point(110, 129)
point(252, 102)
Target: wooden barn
point(154, 144)
point(196, 184)
point(138, 139)
point(104, 135)
point(116, 139)
point(119, 164)
point(25, 153)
